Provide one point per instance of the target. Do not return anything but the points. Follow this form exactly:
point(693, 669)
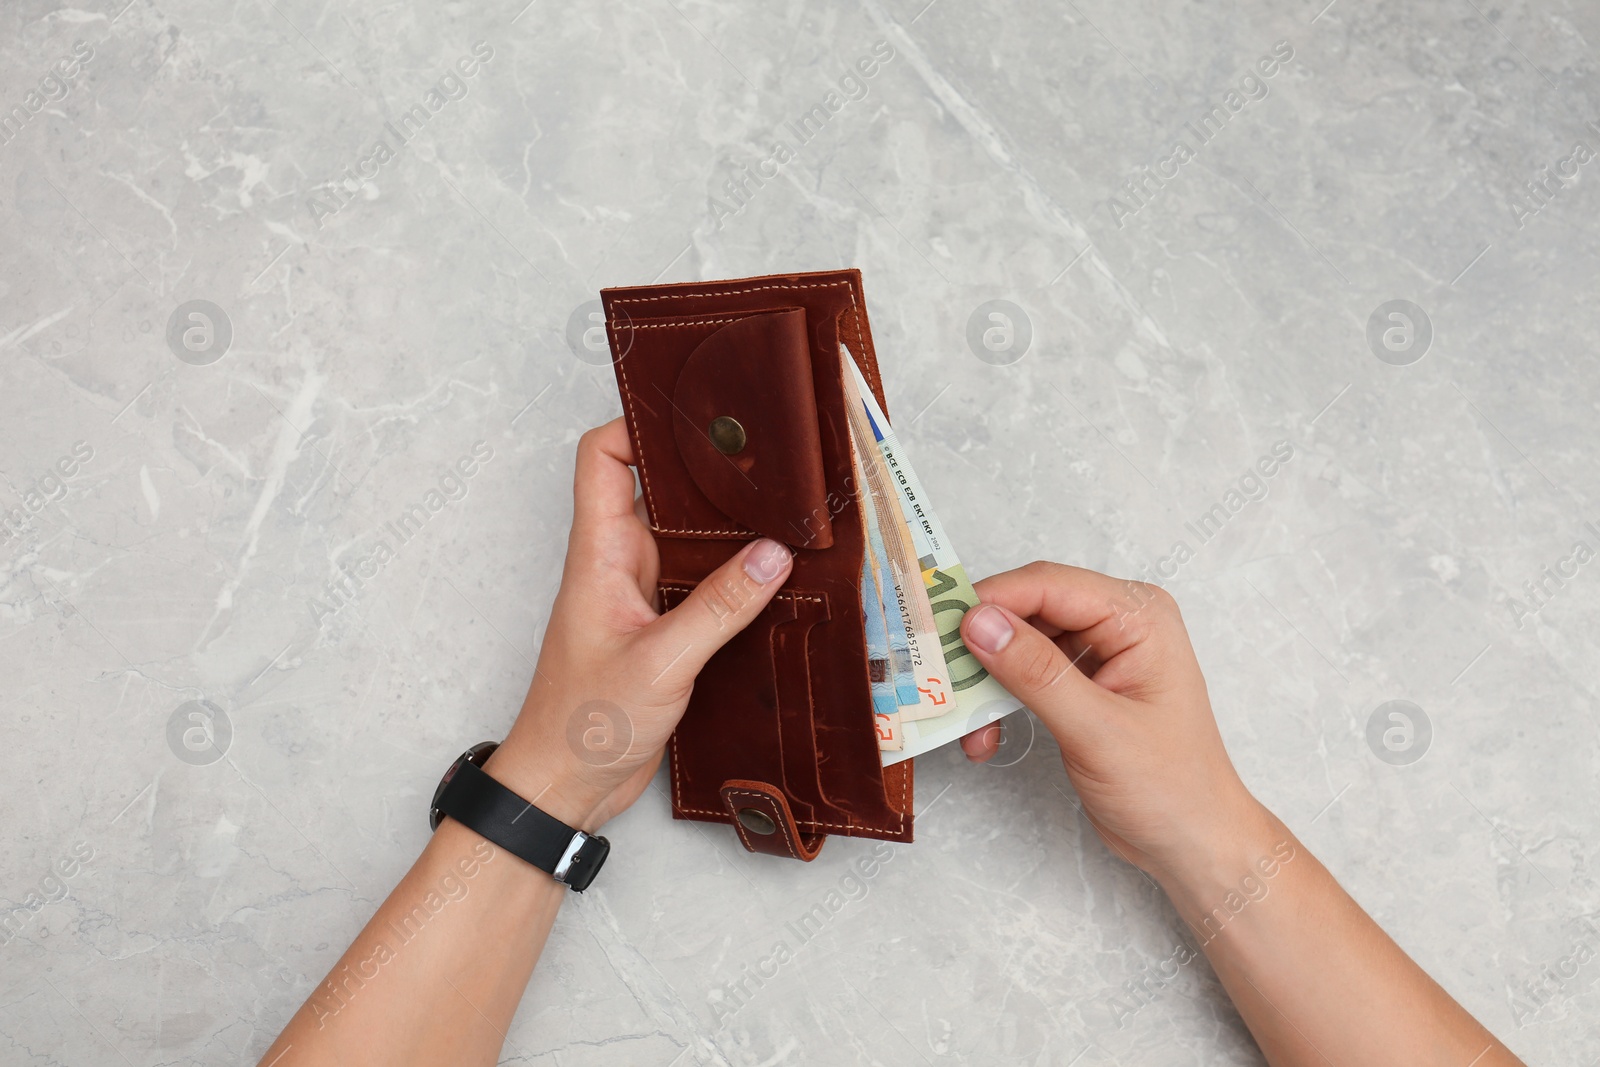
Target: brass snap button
point(728, 437)
point(757, 822)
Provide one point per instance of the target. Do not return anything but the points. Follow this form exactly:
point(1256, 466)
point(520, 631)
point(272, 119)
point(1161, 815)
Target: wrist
point(1247, 843)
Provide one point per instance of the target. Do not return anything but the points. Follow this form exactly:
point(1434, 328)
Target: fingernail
point(766, 560)
point(989, 629)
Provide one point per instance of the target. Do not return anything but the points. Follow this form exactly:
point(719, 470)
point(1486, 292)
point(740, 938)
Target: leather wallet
point(734, 397)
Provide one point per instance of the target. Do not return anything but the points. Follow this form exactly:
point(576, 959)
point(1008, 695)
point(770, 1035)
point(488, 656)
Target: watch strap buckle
point(581, 861)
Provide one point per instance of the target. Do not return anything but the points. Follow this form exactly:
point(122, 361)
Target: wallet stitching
point(622, 370)
point(734, 292)
point(688, 587)
point(810, 824)
point(854, 316)
point(671, 325)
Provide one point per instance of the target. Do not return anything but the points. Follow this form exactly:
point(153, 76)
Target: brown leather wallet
point(734, 398)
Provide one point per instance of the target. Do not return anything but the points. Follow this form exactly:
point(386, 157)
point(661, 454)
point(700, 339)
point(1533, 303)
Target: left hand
point(614, 676)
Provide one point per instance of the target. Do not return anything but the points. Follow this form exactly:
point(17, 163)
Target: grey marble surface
point(172, 523)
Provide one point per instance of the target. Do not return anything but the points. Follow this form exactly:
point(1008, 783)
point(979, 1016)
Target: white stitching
point(633, 419)
point(677, 779)
point(810, 824)
point(687, 322)
point(735, 292)
point(688, 589)
point(712, 533)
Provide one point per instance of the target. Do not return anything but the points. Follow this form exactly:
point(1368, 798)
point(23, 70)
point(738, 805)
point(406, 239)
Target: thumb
point(1033, 669)
point(681, 640)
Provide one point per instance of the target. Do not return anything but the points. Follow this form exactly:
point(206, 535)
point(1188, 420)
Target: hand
point(1107, 666)
point(614, 676)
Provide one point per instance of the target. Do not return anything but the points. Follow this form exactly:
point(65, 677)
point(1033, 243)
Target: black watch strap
point(473, 798)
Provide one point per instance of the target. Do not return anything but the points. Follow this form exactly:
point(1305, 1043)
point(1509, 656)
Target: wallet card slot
point(791, 669)
point(761, 727)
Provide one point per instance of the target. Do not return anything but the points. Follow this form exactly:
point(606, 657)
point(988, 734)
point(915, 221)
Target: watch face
point(478, 754)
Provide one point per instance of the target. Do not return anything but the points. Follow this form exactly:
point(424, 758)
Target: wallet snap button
point(728, 437)
point(757, 822)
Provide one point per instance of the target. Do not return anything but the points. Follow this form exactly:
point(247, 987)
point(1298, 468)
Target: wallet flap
point(765, 824)
point(745, 422)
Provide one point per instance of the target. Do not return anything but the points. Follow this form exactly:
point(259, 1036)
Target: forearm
point(437, 974)
point(1313, 976)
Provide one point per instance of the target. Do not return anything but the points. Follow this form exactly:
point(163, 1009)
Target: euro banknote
point(883, 588)
point(979, 698)
point(885, 708)
point(929, 693)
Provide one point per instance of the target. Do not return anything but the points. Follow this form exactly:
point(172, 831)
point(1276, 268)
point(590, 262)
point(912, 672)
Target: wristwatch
point(470, 796)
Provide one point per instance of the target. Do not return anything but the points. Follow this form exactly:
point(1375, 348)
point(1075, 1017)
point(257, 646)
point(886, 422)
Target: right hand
point(1107, 666)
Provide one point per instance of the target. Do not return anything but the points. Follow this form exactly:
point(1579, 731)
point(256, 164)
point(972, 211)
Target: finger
point(602, 483)
point(1069, 597)
point(1036, 671)
point(1049, 629)
point(1081, 651)
point(678, 644)
point(1110, 611)
point(981, 744)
